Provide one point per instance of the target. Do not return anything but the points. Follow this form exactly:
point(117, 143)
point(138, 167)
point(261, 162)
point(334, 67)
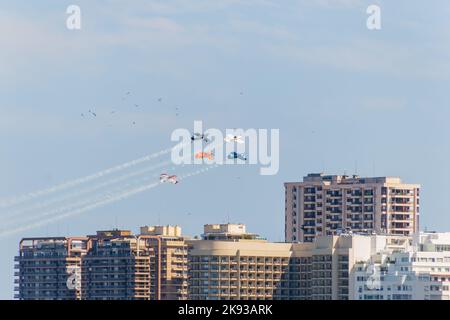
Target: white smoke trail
point(100, 203)
point(187, 175)
point(74, 205)
point(81, 192)
point(22, 198)
point(94, 205)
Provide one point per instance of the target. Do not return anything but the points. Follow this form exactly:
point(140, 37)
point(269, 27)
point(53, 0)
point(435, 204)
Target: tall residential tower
point(49, 268)
point(324, 204)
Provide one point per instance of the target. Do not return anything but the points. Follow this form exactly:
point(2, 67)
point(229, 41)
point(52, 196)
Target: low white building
point(419, 271)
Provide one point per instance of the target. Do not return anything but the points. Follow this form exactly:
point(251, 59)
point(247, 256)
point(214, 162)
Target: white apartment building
point(323, 204)
point(420, 271)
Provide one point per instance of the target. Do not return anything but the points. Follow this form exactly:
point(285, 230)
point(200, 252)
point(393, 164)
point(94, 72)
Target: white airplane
point(164, 177)
point(232, 138)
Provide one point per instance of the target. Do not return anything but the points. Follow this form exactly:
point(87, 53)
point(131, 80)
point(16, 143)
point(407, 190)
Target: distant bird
point(136, 105)
point(112, 112)
point(93, 113)
point(134, 123)
point(126, 94)
point(82, 114)
point(159, 99)
point(241, 93)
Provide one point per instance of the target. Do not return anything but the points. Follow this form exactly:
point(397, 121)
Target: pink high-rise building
point(328, 204)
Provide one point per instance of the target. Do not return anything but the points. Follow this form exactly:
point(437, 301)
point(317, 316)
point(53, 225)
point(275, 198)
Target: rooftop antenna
point(115, 221)
point(356, 167)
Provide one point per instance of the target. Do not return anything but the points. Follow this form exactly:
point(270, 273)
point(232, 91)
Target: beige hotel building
point(325, 204)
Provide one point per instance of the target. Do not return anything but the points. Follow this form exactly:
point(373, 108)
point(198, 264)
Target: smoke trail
point(74, 205)
point(83, 191)
point(107, 200)
point(94, 205)
point(69, 184)
point(187, 175)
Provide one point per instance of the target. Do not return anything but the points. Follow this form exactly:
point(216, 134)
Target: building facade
point(110, 265)
point(236, 265)
point(418, 272)
point(228, 263)
point(49, 268)
point(325, 204)
point(119, 266)
point(174, 257)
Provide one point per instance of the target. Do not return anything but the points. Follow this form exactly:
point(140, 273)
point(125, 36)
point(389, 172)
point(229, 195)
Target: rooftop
point(227, 231)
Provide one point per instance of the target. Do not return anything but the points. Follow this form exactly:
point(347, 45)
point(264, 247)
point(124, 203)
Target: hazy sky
point(344, 98)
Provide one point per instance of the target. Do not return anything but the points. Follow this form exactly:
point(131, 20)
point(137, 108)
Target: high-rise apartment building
point(120, 266)
point(325, 204)
point(174, 257)
point(148, 266)
point(109, 265)
point(49, 268)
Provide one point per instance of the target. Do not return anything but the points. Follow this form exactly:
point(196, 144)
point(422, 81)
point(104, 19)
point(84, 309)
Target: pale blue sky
point(339, 93)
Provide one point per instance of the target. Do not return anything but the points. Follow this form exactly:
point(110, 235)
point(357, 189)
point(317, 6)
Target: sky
point(346, 99)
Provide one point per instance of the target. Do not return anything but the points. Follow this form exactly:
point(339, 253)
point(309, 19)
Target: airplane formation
point(164, 177)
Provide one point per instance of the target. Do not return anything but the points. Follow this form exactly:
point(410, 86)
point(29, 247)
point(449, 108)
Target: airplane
point(199, 136)
point(232, 138)
point(202, 155)
point(164, 177)
point(235, 155)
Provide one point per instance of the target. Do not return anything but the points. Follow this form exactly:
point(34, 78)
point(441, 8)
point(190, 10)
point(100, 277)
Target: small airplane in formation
point(232, 138)
point(164, 177)
point(235, 155)
point(199, 136)
point(203, 155)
